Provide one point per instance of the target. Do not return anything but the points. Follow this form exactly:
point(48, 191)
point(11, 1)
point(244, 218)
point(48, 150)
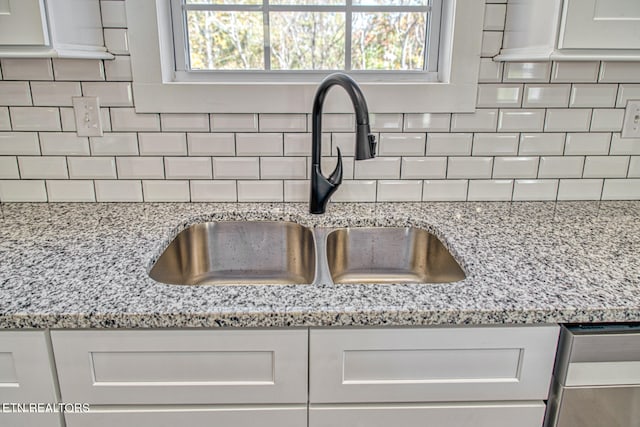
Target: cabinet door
point(182, 366)
point(600, 24)
point(431, 365)
point(232, 416)
point(23, 22)
point(497, 414)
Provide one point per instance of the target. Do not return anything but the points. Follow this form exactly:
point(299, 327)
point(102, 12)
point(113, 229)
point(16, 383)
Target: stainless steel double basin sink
point(270, 252)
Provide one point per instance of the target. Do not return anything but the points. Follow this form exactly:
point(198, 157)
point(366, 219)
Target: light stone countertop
point(85, 266)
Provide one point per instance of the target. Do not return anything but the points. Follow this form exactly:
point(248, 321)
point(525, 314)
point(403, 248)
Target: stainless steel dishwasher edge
point(596, 378)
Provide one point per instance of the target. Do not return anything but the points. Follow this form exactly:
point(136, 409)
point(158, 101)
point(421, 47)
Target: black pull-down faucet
point(321, 187)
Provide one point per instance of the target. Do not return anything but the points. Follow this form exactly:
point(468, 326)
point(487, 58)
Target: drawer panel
point(293, 416)
point(438, 364)
point(199, 367)
point(30, 420)
point(26, 374)
point(448, 415)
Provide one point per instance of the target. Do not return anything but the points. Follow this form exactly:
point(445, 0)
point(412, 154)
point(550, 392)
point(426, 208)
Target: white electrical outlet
point(631, 125)
point(87, 112)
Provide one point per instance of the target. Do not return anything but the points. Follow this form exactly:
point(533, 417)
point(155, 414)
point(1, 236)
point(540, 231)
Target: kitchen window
point(427, 61)
point(383, 39)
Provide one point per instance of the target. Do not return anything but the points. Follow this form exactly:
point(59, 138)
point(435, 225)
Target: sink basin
point(389, 255)
point(238, 252)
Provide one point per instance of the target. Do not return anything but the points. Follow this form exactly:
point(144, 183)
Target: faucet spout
point(321, 187)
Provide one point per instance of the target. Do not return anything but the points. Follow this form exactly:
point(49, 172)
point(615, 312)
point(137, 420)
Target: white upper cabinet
point(569, 30)
point(51, 28)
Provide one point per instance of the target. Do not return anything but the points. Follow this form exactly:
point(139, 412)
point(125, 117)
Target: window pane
point(307, 40)
point(388, 41)
point(224, 1)
point(225, 40)
point(308, 2)
point(391, 2)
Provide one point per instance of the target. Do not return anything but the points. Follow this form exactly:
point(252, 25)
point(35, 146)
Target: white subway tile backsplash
point(627, 92)
point(541, 144)
point(157, 144)
point(5, 122)
point(494, 17)
point(260, 191)
point(345, 141)
point(490, 190)
point(495, 144)
point(580, 189)
point(561, 167)
point(15, 93)
point(51, 94)
point(337, 122)
point(63, 144)
point(118, 69)
point(35, 118)
point(184, 122)
point(236, 168)
point(499, 95)
point(70, 191)
point(282, 122)
point(634, 167)
point(564, 119)
point(378, 168)
point(165, 191)
point(593, 95)
point(283, 168)
point(127, 120)
point(118, 191)
point(113, 14)
point(356, 191)
point(621, 189)
point(213, 191)
point(187, 167)
point(114, 144)
point(480, 121)
point(211, 144)
point(385, 122)
point(490, 71)
point(469, 167)
point(43, 167)
point(26, 69)
point(78, 69)
point(234, 122)
point(296, 191)
point(140, 167)
point(68, 119)
point(259, 144)
point(92, 167)
point(19, 143)
point(328, 164)
point(521, 120)
point(570, 72)
point(116, 40)
point(402, 144)
point(527, 72)
point(110, 94)
point(450, 190)
point(105, 119)
point(515, 167)
point(299, 144)
point(587, 143)
point(449, 144)
point(399, 191)
point(491, 43)
point(606, 166)
point(607, 120)
point(535, 189)
point(423, 168)
point(619, 72)
point(548, 95)
point(23, 191)
point(624, 145)
point(9, 167)
point(427, 122)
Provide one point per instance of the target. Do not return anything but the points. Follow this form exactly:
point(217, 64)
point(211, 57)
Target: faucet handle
point(336, 176)
point(372, 144)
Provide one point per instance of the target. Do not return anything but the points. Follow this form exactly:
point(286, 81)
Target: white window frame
point(156, 89)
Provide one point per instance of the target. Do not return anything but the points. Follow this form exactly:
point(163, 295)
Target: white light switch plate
point(87, 112)
point(631, 125)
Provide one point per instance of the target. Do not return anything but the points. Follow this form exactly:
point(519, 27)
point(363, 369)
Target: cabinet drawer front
point(30, 420)
point(26, 373)
point(450, 415)
point(191, 417)
point(439, 364)
point(137, 367)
